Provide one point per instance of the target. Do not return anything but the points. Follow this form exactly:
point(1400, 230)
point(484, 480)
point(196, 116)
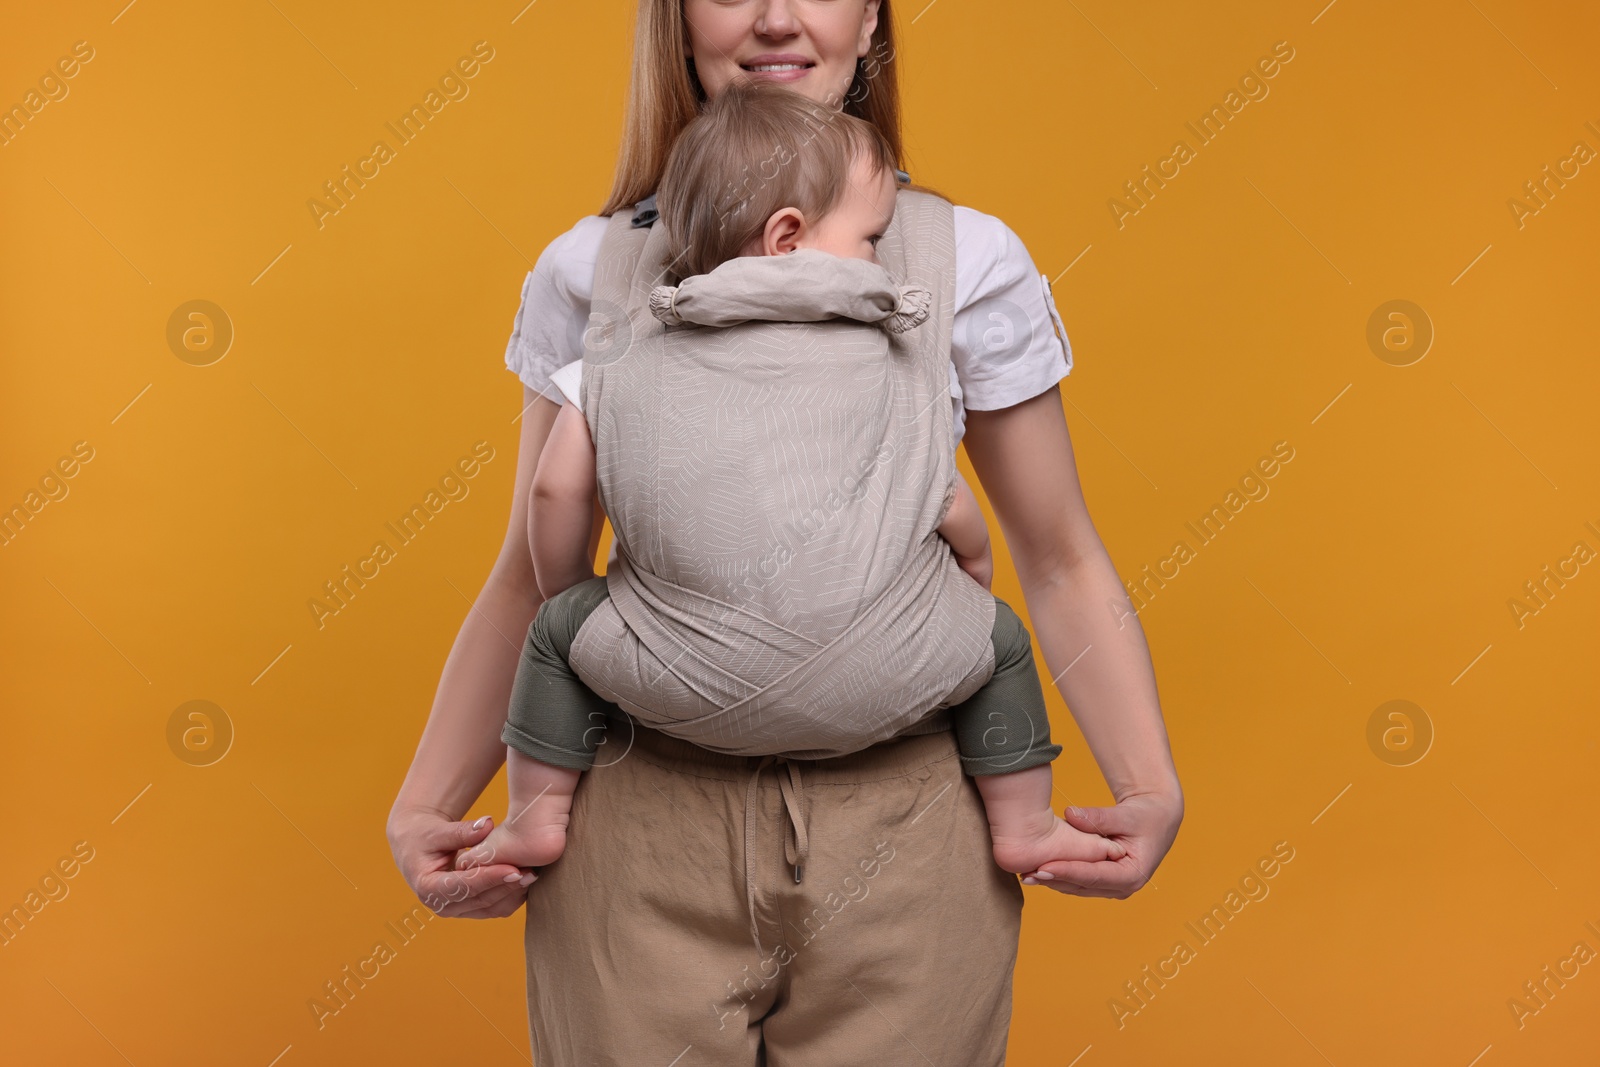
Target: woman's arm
point(461, 750)
point(1023, 457)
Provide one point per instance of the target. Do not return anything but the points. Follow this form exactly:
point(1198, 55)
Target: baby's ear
point(784, 231)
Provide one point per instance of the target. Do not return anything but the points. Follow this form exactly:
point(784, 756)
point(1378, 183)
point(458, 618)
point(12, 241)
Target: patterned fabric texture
point(775, 486)
point(804, 286)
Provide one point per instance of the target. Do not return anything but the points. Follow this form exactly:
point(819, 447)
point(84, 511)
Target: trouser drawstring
point(796, 841)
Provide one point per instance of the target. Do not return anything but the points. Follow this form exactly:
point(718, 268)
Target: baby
point(796, 243)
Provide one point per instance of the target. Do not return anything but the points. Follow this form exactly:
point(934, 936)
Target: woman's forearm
point(1095, 654)
point(461, 751)
point(1100, 663)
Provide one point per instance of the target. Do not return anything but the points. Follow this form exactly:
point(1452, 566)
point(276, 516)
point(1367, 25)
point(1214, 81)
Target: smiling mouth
point(776, 68)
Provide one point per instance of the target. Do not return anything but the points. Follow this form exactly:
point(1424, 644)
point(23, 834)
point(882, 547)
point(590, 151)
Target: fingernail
point(512, 878)
point(1045, 876)
point(529, 878)
point(1029, 881)
point(481, 823)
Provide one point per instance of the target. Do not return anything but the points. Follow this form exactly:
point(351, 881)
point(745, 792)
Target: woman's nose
point(775, 18)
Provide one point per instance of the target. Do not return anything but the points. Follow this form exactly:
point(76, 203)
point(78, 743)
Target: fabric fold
point(806, 285)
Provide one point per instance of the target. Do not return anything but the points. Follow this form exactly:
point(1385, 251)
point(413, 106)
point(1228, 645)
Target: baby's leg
point(1026, 831)
point(535, 830)
point(1004, 736)
point(552, 728)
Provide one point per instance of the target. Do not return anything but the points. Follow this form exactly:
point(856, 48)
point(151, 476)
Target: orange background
point(1228, 314)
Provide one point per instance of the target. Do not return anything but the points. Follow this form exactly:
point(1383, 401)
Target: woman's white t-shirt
point(1007, 343)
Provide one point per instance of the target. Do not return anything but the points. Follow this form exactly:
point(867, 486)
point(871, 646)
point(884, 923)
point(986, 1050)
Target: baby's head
point(764, 170)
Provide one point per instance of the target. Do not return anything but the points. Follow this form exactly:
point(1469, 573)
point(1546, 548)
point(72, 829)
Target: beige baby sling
point(775, 488)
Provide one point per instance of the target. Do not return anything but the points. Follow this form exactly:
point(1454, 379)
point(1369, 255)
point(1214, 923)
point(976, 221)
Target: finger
point(494, 903)
point(441, 888)
point(461, 911)
point(1132, 861)
point(1079, 889)
point(1070, 889)
point(445, 836)
point(1114, 877)
point(502, 900)
point(476, 856)
point(1079, 845)
point(1102, 821)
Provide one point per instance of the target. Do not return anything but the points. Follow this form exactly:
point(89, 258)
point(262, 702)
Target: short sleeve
point(1007, 342)
point(548, 330)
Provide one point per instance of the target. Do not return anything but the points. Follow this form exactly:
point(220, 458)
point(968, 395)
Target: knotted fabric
point(774, 466)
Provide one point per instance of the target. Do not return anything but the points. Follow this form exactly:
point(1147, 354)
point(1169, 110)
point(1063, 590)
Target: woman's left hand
point(1145, 824)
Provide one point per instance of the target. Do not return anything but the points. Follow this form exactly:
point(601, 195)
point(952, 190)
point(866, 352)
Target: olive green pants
point(555, 718)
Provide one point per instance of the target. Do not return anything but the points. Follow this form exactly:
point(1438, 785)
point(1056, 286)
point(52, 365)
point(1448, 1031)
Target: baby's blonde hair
point(757, 147)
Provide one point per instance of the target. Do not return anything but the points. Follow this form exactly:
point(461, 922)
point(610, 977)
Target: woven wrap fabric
point(803, 286)
point(775, 489)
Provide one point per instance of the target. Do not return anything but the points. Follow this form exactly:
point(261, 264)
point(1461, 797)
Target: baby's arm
point(563, 505)
point(963, 527)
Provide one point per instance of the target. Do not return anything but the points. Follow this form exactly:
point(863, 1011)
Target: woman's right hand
point(461, 751)
point(425, 846)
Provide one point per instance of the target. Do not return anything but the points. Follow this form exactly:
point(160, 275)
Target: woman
point(636, 952)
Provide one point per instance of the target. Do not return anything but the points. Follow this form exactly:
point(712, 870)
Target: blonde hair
point(756, 148)
point(664, 96)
